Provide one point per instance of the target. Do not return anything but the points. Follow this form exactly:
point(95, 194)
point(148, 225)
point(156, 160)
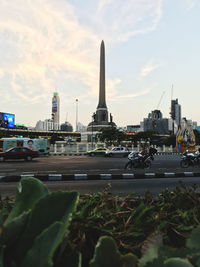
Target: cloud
point(40, 39)
point(119, 21)
point(43, 42)
point(128, 96)
point(148, 68)
point(1, 73)
point(190, 4)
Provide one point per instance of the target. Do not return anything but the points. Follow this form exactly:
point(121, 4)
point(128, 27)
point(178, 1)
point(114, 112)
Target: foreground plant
point(44, 229)
point(35, 231)
point(36, 225)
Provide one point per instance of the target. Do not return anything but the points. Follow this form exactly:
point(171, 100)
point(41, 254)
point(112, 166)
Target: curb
point(103, 176)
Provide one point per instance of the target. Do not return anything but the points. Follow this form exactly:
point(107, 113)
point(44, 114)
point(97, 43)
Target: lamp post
point(76, 114)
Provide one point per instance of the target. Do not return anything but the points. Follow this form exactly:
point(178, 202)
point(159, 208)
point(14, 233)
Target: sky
point(47, 46)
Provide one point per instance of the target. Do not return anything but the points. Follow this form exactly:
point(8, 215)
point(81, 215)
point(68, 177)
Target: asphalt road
point(89, 165)
point(96, 165)
point(120, 188)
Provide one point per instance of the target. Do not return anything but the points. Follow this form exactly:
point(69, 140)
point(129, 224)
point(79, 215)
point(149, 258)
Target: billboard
point(54, 106)
point(7, 120)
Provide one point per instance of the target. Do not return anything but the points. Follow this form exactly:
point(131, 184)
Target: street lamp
point(76, 114)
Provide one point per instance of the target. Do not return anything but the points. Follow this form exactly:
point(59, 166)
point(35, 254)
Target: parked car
point(97, 152)
point(19, 153)
point(120, 151)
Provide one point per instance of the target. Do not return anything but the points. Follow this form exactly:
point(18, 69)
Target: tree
point(170, 140)
point(111, 135)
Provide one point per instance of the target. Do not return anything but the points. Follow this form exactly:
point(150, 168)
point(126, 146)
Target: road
point(89, 165)
point(117, 187)
point(95, 165)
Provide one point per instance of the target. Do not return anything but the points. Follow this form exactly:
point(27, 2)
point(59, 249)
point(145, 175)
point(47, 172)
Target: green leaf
point(1, 256)
point(150, 249)
point(129, 260)
point(57, 206)
point(194, 240)
point(12, 230)
point(177, 262)
point(29, 191)
point(106, 253)
point(69, 257)
point(44, 246)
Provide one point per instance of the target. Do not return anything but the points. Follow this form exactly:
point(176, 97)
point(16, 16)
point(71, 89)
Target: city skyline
point(53, 46)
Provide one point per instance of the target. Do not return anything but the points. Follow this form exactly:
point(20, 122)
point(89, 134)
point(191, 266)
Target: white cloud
point(41, 39)
point(43, 36)
point(190, 4)
point(1, 73)
point(130, 96)
point(119, 21)
point(147, 69)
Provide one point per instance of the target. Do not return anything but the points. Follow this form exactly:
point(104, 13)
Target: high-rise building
point(56, 108)
point(176, 112)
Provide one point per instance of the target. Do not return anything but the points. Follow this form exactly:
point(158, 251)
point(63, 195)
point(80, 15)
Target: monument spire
point(100, 117)
point(102, 98)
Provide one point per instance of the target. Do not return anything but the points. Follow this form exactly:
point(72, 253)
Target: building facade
point(176, 112)
point(47, 125)
point(155, 122)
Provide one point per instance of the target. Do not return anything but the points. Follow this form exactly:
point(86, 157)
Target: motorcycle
point(137, 160)
point(189, 159)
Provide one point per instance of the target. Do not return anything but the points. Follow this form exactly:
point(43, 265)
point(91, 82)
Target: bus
point(41, 145)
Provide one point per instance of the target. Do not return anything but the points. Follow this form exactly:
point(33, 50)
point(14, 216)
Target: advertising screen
point(54, 106)
point(8, 120)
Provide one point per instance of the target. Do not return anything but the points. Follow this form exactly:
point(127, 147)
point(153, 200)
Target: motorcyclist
point(152, 150)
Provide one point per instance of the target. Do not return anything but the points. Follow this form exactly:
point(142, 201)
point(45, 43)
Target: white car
point(120, 151)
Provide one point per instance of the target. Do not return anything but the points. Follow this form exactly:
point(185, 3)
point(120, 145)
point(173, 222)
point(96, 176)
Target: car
point(97, 152)
point(19, 153)
point(117, 151)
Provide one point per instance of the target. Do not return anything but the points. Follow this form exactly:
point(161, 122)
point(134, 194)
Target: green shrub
point(58, 229)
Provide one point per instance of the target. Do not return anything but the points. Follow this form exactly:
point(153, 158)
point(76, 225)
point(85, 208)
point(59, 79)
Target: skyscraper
point(56, 108)
point(176, 112)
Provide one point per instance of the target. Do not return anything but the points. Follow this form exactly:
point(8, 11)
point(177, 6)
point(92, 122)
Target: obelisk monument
point(100, 118)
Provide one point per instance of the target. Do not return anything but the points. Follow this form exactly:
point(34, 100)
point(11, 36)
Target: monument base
point(92, 127)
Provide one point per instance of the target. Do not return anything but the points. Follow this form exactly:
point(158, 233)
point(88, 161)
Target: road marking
point(55, 177)
point(188, 173)
point(80, 176)
point(105, 176)
point(128, 175)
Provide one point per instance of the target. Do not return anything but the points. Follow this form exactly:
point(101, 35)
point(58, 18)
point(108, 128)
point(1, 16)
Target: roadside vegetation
point(44, 229)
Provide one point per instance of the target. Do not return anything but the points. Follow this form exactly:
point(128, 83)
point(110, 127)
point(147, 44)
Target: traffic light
point(52, 116)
